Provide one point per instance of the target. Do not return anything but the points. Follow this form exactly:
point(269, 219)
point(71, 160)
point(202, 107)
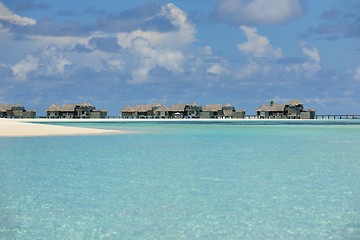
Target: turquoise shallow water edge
point(185, 180)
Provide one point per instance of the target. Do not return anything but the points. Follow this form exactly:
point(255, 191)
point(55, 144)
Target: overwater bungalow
point(239, 113)
point(227, 110)
point(185, 110)
point(15, 111)
point(128, 112)
point(98, 113)
point(53, 111)
point(178, 110)
point(2, 112)
point(67, 111)
point(221, 111)
point(274, 110)
point(194, 110)
point(82, 110)
point(144, 111)
point(162, 112)
point(292, 110)
point(139, 111)
point(262, 111)
point(211, 111)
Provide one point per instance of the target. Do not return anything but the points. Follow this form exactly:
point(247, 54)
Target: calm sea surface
point(192, 180)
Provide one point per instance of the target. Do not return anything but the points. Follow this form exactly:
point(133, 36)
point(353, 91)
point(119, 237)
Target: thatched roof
point(127, 108)
point(227, 105)
point(156, 105)
point(262, 108)
point(295, 102)
point(273, 108)
point(277, 107)
point(100, 110)
point(212, 108)
point(7, 107)
point(84, 104)
point(162, 108)
point(68, 107)
point(178, 108)
point(194, 104)
point(143, 108)
point(53, 108)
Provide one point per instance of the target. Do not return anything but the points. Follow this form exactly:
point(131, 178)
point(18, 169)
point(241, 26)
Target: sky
point(243, 52)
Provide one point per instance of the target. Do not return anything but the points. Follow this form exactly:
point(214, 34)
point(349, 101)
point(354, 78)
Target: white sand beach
point(16, 128)
point(39, 127)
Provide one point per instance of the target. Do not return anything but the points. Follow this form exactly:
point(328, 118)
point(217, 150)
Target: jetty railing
point(337, 116)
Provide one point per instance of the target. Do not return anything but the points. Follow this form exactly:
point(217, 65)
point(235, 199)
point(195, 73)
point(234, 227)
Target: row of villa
point(291, 110)
point(15, 111)
point(82, 110)
point(192, 110)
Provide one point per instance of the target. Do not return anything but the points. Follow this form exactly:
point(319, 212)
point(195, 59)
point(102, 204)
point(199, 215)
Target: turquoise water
point(207, 180)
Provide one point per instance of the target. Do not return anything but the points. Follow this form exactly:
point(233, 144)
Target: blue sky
point(245, 52)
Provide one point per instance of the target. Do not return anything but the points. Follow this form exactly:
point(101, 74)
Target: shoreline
point(27, 128)
point(104, 120)
point(37, 127)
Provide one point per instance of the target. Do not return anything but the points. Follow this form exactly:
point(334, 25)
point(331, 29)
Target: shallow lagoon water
point(185, 180)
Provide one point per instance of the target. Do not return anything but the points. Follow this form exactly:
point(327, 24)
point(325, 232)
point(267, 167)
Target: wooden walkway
point(348, 116)
point(323, 116)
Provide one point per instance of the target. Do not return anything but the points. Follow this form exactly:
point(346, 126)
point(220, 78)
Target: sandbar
point(15, 128)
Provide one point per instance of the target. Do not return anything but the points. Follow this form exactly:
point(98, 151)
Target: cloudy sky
point(245, 52)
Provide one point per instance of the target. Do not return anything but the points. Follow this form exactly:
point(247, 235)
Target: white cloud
point(184, 34)
point(60, 41)
point(116, 64)
point(215, 69)
point(149, 57)
point(257, 11)
point(356, 74)
point(247, 70)
point(9, 16)
point(140, 53)
point(179, 19)
point(217, 66)
point(53, 61)
point(140, 75)
point(168, 58)
point(310, 66)
point(47, 62)
point(207, 50)
point(273, 71)
point(313, 65)
point(313, 53)
point(258, 45)
point(151, 49)
point(25, 66)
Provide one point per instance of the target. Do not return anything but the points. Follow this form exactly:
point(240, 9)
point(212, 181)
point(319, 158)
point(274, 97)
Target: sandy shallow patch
point(13, 128)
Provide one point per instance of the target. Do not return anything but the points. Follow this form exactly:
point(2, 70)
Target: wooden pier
point(331, 116)
point(322, 116)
